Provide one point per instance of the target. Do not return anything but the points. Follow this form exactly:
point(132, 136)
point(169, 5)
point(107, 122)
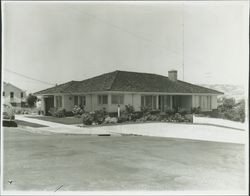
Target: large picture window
point(58, 101)
point(205, 102)
point(117, 99)
point(148, 101)
point(102, 99)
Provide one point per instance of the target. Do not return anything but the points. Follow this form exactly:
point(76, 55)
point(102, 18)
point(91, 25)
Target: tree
point(232, 110)
point(228, 103)
point(31, 100)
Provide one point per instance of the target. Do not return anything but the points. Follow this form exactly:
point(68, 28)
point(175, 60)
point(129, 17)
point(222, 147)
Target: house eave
point(128, 92)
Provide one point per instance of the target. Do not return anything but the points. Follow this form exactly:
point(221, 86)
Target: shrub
point(122, 119)
point(60, 113)
point(155, 112)
point(183, 111)
point(169, 111)
point(188, 117)
point(96, 117)
point(136, 115)
point(52, 111)
point(196, 110)
point(145, 110)
point(87, 118)
point(77, 110)
point(228, 103)
point(57, 113)
point(108, 120)
point(129, 109)
point(100, 115)
point(69, 113)
point(231, 110)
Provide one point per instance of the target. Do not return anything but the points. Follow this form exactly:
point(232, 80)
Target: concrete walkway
point(185, 131)
point(58, 127)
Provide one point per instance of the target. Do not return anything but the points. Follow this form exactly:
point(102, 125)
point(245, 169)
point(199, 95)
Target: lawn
point(64, 120)
point(94, 163)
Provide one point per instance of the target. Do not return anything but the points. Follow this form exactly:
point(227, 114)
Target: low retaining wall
point(220, 122)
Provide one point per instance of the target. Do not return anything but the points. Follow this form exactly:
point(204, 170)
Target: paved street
point(45, 161)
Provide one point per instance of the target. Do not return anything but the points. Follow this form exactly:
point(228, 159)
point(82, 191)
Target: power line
point(19, 74)
point(126, 31)
point(148, 40)
point(183, 40)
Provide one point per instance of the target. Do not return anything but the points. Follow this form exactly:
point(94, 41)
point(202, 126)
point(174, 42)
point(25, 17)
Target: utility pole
point(183, 70)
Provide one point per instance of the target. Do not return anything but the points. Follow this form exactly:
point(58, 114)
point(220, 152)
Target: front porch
point(167, 102)
point(110, 101)
point(174, 102)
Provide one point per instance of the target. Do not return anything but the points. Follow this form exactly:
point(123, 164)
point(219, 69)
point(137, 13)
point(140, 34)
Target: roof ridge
point(72, 82)
point(115, 72)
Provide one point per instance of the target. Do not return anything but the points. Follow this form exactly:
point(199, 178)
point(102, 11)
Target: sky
point(48, 43)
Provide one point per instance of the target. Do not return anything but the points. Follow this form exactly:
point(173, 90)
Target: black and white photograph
point(125, 97)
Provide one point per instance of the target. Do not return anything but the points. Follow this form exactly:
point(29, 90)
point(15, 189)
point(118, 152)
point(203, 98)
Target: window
point(11, 94)
point(205, 103)
point(102, 99)
point(58, 101)
point(117, 99)
point(82, 100)
point(75, 100)
point(148, 101)
point(3, 93)
point(21, 94)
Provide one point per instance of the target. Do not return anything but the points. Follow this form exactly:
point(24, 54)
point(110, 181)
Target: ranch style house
point(120, 88)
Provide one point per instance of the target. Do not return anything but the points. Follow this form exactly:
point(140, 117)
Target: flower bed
point(100, 117)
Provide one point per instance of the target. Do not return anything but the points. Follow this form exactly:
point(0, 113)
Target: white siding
point(214, 102)
point(68, 102)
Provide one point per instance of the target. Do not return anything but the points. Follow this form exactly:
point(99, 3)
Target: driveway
point(156, 129)
point(41, 162)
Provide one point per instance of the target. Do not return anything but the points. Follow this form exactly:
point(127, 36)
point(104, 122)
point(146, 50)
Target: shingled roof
point(129, 82)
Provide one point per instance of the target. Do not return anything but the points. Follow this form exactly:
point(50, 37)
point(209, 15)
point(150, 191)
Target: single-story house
point(120, 88)
point(14, 95)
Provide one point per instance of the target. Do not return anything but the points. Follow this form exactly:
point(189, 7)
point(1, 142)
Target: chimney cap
point(173, 70)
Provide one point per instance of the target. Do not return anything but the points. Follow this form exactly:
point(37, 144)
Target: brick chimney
point(172, 75)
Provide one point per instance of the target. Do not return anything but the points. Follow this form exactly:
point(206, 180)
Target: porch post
point(54, 100)
point(63, 101)
point(109, 102)
point(157, 102)
point(43, 105)
point(171, 101)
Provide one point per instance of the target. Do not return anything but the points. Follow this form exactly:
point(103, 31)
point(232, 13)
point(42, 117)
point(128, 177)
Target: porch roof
point(129, 82)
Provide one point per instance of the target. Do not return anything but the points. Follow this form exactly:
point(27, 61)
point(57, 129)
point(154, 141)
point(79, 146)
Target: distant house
point(120, 88)
point(14, 95)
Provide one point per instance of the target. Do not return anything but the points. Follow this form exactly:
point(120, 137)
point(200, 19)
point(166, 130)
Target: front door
point(49, 103)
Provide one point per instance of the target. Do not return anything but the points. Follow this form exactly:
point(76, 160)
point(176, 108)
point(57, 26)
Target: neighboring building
point(14, 95)
point(129, 88)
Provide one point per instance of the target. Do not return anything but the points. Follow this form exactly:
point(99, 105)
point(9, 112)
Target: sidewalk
point(58, 127)
point(184, 131)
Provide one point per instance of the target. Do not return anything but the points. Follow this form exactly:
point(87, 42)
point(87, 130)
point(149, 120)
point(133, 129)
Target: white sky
point(62, 41)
